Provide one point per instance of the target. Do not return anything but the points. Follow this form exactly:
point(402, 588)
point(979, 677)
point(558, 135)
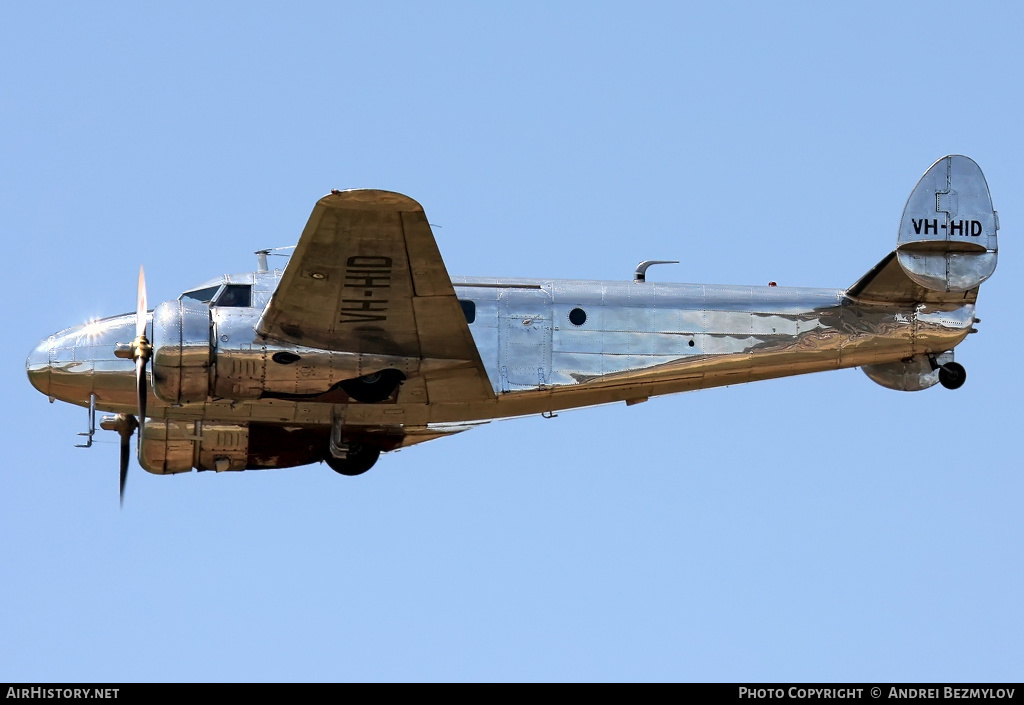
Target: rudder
point(947, 239)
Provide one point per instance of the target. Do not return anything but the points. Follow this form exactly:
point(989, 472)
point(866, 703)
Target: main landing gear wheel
point(375, 388)
point(952, 375)
point(360, 458)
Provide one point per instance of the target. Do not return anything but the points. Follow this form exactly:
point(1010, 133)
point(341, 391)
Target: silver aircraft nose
point(38, 366)
point(79, 362)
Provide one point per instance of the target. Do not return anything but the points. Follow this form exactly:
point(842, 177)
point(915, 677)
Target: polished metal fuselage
point(359, 346)
point(639, 339)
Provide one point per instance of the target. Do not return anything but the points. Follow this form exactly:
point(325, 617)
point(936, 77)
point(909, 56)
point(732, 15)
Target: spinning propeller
point(140, 350)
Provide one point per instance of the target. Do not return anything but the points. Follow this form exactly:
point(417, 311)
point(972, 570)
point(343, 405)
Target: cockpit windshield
point(230, 295)
point(235, 295)
point(205, 295)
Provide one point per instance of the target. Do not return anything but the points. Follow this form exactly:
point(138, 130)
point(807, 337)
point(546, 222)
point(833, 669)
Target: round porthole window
point(577, 316)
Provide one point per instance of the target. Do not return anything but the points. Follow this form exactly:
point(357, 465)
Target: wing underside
point(367, 277)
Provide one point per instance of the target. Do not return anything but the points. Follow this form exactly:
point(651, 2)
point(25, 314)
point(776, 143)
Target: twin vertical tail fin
point(946, 248)
point(947, 242)
point(947, 239)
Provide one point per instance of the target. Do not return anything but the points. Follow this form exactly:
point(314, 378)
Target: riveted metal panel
point(641, 318)
point(484, 327)
point(167, 447)
point(578, 340)
point(181, 351)
point(223, 446)
point(525, 338)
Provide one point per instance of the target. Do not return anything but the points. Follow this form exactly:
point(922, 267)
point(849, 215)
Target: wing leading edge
point(367, 277)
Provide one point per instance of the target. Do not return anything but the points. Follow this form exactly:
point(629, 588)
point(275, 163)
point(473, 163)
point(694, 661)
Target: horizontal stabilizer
point(889, 283)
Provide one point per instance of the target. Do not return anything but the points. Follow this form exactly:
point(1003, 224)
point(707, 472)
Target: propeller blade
point(125, 457)
point(141, 306)
point(125, 425)
point(141, 386)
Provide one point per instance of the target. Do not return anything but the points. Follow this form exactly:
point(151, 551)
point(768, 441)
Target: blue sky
point(814, 528)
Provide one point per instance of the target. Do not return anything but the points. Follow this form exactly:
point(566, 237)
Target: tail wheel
point(360, 458)
point(952, 375)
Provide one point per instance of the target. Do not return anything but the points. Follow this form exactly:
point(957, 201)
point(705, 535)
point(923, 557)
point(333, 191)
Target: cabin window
point(236, 296)
point(204, 295)
point(577, 316)
point(469, 309)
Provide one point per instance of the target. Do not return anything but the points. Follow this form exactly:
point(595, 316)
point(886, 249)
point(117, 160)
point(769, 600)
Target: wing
point(367, 277)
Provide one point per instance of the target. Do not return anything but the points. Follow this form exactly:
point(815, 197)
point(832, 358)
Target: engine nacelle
point(248, 367)
point(911, 375)
point(168, 446)
point(198, 354)
point(182, 353)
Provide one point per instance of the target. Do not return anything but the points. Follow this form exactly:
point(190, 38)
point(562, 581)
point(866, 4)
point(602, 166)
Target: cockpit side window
point(235, 295)
point(205, 295)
